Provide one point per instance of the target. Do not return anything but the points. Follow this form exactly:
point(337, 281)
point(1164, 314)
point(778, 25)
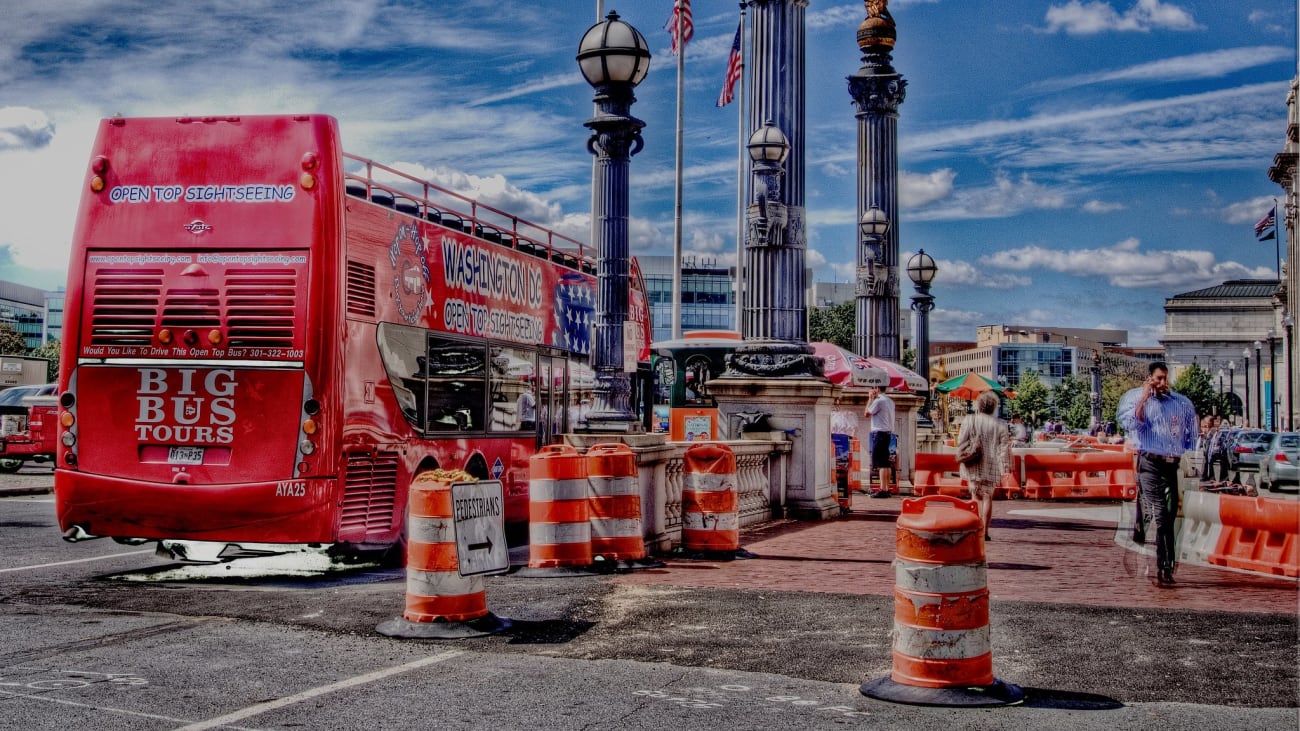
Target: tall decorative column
point(774, 317)
point(773, 382)
point(614, 58)
point(877, 91)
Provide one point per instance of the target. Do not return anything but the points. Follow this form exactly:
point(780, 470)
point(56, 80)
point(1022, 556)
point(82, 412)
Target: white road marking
point(260, 708)
point(78, 560)
point(46, 698)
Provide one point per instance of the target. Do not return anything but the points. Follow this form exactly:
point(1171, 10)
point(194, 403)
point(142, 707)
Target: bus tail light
point(307, 446)
point(307, 181)
point(309, 427)
point(214, 337)
point(165, 336)
point(98, 166)
point(190, 338)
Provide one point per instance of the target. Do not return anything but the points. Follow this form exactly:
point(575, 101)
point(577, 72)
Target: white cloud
point(1124, 264)
point(1248, 211)
point(24, 128)
point(953, 273)
point(1080, 18)
point(919, 189)
point(1096, 206)
point(1209, 65)
point(1004, 198)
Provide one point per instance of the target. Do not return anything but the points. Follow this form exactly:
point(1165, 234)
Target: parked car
point(1281, 462)
point(1247, 446)
point(13, 412)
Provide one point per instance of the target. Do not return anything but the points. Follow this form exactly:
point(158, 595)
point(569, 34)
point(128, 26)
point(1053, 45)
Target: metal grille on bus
point(126, 306)
point(370, 492)
point(258, 307)
point(361, 289)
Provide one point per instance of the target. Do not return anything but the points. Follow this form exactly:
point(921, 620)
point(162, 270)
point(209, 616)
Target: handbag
point(968, 449)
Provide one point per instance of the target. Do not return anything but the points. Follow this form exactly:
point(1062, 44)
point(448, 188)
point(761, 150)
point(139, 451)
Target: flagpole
point(740, 176)
point(1277, 243)
point(677, 183)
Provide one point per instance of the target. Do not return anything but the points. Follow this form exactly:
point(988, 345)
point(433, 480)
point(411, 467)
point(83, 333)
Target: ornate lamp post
point(1221, 394)
point(872, 229)
point(921, 270)
point(1259, 389)
point(1095, 400)
point(1245, 379)
point(613, 57)
point(1287, 322)
point(1272, 380)
point(1232, 388)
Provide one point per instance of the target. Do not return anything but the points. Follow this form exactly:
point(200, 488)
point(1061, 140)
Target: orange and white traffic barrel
point(710, 500)
point(942, 653)
point(615, 503)
point(440, 603)
point(859, 479)
point(559, 513)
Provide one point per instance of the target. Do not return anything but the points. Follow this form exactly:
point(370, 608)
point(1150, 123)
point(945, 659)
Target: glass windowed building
point(708, 294)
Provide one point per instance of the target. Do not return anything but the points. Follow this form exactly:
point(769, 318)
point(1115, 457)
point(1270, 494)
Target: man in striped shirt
point(1163, 424)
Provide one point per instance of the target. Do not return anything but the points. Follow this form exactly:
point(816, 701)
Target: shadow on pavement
point(1067, 700)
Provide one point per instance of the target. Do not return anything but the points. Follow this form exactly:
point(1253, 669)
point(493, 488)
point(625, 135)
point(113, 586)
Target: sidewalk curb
point(21, 491)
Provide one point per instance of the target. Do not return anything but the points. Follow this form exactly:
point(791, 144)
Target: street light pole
point(613, 57)
point(1290, 374)
point(1245, 379)
point(1272, 380)
point(1259, 390)
point(1232, 388)
point(871, 228)
point(921, 269)
point(1095, 401)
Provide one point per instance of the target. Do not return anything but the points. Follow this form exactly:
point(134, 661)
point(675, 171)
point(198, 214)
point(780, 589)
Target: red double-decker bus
point(268, 338)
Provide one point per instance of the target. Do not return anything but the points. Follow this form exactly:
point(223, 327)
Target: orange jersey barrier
point(559, 513)
point(1259, 534)
point(615, 503)
point(938, 474)
point(1081, 475)
point(710, 502)
point(435, 590)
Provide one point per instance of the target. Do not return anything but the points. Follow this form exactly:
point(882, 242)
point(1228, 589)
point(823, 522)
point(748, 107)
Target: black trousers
point(1158, 483)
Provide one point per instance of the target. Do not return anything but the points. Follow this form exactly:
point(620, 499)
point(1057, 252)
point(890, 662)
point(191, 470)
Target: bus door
point(551, 383)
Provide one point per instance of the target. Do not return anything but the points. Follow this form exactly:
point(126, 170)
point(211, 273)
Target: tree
point(50, 351)
point(833, 324)
point(1072, 402)
point(1032, 401)
point(11, 341)
point(1195, 383)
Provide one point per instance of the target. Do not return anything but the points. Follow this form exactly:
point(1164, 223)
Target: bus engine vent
point(370, 495)
point(260, 307)
point(125, 306)
point(361, 289)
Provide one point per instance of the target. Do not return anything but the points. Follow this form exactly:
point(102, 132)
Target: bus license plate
point(185, 455)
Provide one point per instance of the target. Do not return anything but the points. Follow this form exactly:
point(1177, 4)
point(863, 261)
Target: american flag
point(734, 66)
point(688, 28)
point(1266, 227)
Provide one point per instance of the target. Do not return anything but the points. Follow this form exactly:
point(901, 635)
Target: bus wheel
point(10, 465)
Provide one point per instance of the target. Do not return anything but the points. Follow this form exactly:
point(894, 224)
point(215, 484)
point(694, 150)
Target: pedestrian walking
point(880, 410)
point(1163, 425)
point(984, 453)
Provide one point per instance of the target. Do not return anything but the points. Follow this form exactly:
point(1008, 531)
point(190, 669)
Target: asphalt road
point(99, 635)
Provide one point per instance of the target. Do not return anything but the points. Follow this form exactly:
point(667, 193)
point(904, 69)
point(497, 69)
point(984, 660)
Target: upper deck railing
point(431, 202)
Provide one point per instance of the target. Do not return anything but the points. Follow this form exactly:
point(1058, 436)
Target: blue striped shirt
point(1169, 426)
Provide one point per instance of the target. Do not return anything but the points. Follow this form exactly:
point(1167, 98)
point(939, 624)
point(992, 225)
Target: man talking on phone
point(1163, 424)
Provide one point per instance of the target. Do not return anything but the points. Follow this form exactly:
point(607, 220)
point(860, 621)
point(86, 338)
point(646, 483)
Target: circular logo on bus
point(410, 272)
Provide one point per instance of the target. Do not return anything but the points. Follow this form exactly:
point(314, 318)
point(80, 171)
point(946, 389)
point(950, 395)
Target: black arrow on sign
point(485, 545)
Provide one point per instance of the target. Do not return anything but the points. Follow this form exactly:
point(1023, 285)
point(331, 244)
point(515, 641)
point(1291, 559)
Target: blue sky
point(1067, 162)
